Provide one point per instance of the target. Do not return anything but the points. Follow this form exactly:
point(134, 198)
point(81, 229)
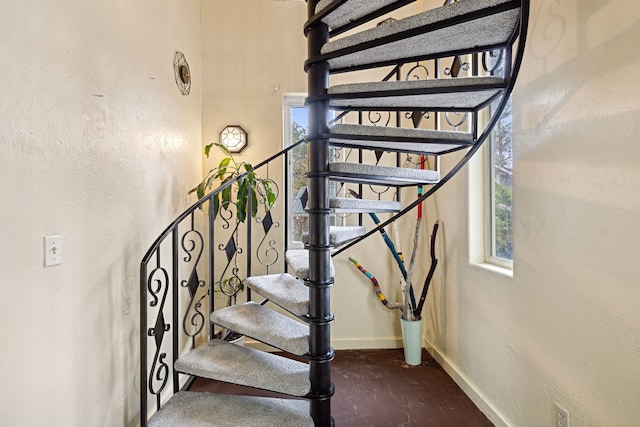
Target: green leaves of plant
point(222, 167)
point(248, 187)
point(270, 194)
point(216, 205)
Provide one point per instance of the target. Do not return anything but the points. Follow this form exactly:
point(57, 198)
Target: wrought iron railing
point(494, 62)
point(198, 263)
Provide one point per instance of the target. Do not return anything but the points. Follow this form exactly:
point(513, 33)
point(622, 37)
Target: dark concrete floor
point(375, 388)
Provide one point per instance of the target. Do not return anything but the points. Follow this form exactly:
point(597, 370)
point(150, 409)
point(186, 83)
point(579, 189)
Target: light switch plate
point(52, 250)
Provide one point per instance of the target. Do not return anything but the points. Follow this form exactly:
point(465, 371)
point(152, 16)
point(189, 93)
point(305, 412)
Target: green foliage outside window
point(502, 165)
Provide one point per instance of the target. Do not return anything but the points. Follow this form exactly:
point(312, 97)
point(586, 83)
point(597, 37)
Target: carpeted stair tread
point(430, 41)
point(350, 205)
point(353, 10)
point(193, 409)
point(388, 138)
point(266, 325)
point(426, 95)
point(381, 175)
point(339, 235)
point(298, 262)
point(223, 361)
point(284, 290)
point(399, 147)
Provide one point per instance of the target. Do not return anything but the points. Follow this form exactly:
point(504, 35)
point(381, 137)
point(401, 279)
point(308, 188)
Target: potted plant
point(246, 192)
point(248, 187)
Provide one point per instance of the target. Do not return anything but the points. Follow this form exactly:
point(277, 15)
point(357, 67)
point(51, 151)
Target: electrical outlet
point(562, 417)
point(52, 250)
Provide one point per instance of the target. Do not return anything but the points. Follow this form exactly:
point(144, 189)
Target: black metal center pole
point(320, 279)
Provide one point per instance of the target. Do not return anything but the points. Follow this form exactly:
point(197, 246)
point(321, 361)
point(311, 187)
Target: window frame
point(290, 101)
point(489, 191)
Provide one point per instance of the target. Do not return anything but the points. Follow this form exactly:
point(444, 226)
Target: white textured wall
point(97, 145)
point(566, 327)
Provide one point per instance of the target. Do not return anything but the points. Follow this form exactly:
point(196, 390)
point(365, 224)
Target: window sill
point(493, 268)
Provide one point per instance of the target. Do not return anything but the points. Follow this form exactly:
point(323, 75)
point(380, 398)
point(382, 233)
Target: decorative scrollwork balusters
point(231, 286)
point(192, 243)
point(455, 124)
point(194, 319)
point(376, 118)
point(491, 60)
point(412, 74)
point(457, 65)
point(158, 288)
point(267, 255)
point(379, 190)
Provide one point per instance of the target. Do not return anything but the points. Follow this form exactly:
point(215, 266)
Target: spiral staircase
point(466, 28)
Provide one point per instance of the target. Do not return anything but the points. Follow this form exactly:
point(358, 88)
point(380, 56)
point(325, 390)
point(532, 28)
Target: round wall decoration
point(182, 73)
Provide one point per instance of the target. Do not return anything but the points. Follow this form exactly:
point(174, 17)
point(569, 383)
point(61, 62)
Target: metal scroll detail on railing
point(158, 285)
point(511, 55)
point(414, 74)
point(267, 252)
point(178, 277)
point(192, 244)
point(492, 59)
point(230, 284)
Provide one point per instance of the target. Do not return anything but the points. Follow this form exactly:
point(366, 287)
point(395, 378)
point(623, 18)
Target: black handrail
point(156, 285)
point(207, 198)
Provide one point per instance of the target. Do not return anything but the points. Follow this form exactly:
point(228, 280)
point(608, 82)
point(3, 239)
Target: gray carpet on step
point(395, 132)
point(350, 11)
point(340, 234)
point(194, 409)
point(298, 262)
point(398, 139)
point(232, 363)
point(347, 204)
point(283, 290)
point(457, 98)
point(492, 30)
point(266, 325)
point(426, 176)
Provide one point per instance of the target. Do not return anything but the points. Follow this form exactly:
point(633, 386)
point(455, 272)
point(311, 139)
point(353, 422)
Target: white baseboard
point(476, 396)
point(341, 344)
point(365, 343)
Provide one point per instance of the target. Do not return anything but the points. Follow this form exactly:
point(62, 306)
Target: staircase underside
point(427, 35)
point(402, 140)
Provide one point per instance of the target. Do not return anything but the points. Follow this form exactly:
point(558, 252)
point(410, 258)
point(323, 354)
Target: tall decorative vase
point(412, 341)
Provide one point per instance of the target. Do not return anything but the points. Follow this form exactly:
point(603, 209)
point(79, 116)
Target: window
point(499, 210)
point(295, 124)
point(295, 128)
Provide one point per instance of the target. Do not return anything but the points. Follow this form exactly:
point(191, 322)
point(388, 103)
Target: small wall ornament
point(234, 138)
point(182, 73)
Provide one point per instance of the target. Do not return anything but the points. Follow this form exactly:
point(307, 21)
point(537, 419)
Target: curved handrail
point(167, 231)
point(159, 280)
point(521, 35)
